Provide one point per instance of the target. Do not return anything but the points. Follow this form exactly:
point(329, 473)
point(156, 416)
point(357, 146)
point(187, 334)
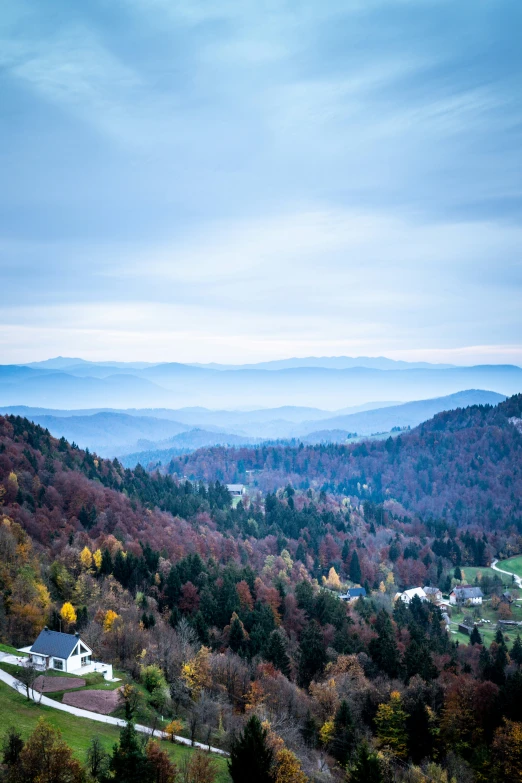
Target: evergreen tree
point(250, 755)
point(237, 635)
point(516, 651)
point(384, 650)
point(343, 741)
point(457, 573)
point(106, 563)
point(312, 654)
point(355, 568)
point(129, 763)
point(418, 660)
point(275, 652)
point(304, 593)
point(12, 746)
point(475, 637)
point(367, 768)
point(310, 731)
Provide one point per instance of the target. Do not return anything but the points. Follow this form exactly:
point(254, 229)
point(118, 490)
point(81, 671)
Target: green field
point(487, 631)
point(470, 574)
point(77, 732)
point(513, 564)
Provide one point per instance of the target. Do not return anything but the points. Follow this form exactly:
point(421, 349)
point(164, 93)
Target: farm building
point(466, 594)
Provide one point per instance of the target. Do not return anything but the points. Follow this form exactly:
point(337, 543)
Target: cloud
point(306, 175)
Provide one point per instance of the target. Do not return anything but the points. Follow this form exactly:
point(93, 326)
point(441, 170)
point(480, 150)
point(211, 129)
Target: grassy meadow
point(17, 711)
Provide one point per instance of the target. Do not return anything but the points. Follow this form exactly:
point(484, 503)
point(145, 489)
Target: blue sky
point(238, 181)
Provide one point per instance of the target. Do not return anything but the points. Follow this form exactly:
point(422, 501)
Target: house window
point(86, 659)
point(58, 664)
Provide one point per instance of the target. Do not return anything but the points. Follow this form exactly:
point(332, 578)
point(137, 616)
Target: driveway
point(518, 580)
point(8, 679)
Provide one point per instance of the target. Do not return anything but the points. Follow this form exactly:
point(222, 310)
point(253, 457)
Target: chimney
point(77, 635)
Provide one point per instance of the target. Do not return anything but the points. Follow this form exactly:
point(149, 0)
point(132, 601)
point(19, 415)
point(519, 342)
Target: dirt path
point(8, 679)
point(518, 580)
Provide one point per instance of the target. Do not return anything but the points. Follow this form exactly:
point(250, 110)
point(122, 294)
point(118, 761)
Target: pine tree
point(516, 651)
point(129, 763)
point(275, 652)
point(237, 635)
point(355, 568)
point(367, 768)
point(343, 741)
point(312, 654)
point(250, 755)
point(475, 637)
point(384, 650)
point(310, 731)
point(12, 746)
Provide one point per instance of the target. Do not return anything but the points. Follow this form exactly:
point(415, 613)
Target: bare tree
point(27, 676)
point(204, 714)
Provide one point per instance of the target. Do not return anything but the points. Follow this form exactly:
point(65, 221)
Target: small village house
point(466, 594)
point(65, 652)
point(408, 595)
point(353, 593)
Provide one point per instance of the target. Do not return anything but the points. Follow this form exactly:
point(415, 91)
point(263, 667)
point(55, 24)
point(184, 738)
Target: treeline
point(464, 466)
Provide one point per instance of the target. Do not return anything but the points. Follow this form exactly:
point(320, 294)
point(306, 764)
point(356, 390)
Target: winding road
point(518, 580)
point(8, 679)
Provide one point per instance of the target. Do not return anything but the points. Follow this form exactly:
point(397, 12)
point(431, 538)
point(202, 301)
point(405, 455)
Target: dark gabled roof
point(354, 592)
point(466, 591)
point(55, 643)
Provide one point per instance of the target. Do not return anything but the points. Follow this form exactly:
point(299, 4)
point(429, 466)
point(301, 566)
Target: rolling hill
point(174, 385)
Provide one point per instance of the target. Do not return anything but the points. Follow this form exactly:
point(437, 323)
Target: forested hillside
point(221, 615)
point(464, 466)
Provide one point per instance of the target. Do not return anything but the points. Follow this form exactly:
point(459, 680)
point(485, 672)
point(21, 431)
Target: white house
point(407, 595)
point(433, 594)
point(466, 594)
point(353, 593)
point(65, 652)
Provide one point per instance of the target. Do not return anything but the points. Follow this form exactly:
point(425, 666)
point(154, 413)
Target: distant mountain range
point(156, 435)
point(325, 383)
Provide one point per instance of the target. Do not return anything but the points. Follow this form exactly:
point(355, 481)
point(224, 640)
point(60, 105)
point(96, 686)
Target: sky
point(237, 181)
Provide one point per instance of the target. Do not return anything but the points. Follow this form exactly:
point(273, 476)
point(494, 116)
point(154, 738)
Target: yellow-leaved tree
point(195, 673)
point(390, 722)
point(110, 618)
point(68, 614)
point(333, 581)
point(326, 732)
point(288, 768)
point(86, 558)
point(97, 558)
point(174, 729)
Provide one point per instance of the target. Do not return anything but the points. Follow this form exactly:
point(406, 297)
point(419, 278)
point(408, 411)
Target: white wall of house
point(60, 664)
point(81, 656)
